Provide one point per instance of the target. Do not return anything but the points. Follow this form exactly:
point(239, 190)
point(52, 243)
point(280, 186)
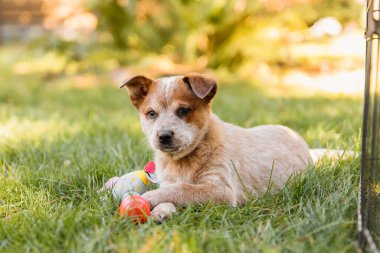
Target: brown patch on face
point(153, 100)
point(184, 97)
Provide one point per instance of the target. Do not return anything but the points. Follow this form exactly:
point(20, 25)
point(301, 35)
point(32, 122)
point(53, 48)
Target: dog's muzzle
point(166, 138)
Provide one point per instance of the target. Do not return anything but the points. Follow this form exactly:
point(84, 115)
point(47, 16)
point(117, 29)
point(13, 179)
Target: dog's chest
point(172, 173)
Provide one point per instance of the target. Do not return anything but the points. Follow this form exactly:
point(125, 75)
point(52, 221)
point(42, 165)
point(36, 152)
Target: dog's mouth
point(169, 148)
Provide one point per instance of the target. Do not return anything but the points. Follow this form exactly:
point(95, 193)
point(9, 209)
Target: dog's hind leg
point(320, 153)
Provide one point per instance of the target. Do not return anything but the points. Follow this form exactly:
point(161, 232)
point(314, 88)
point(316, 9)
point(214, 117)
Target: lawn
point(61, 139)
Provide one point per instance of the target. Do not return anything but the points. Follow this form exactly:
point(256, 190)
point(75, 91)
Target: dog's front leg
point(182, 194)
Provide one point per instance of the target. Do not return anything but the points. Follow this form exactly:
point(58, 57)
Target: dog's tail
point(321, 153)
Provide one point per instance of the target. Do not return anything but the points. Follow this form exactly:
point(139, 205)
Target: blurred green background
point(256, 39)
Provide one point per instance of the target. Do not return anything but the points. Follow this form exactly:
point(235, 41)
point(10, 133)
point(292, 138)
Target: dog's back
point(262, 156)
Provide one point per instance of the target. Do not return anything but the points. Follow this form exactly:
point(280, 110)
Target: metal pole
point(369, 201)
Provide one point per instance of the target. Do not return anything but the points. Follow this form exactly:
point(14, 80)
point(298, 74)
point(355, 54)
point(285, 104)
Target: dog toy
point(135, 207)
point(128, 189)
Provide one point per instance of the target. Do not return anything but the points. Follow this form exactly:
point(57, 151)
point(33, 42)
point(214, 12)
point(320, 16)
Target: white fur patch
point(168, 84)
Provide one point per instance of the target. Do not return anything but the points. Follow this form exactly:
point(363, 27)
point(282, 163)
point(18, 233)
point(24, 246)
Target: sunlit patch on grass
point(48, 63)
point(83, 81)
point(16, 132)
point(348, 45)
point(342, 82)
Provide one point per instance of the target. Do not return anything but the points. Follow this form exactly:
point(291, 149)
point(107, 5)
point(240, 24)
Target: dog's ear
point(203, 87)
point(137, 88)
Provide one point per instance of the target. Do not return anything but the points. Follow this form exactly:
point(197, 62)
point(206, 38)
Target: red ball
point(135, 207)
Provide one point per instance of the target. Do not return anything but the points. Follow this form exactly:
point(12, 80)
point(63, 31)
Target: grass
point(60, 142)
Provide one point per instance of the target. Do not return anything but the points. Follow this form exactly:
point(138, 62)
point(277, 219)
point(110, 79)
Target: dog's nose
point(165, 136)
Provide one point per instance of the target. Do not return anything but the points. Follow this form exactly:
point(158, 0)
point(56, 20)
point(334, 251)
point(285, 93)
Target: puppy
point(199, 157)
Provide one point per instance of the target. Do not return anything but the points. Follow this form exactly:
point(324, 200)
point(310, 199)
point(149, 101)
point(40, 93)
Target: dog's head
point(174, 111)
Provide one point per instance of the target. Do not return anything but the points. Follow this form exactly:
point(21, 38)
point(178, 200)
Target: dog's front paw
point(163, 211)
point(152, 197)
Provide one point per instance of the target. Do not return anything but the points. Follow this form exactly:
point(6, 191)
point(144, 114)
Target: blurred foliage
point(208, 29)
point(205, 33)
point(79, 56)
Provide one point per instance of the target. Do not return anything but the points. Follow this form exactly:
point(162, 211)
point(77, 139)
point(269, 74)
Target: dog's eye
point(183, 112)
point(151, 114)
